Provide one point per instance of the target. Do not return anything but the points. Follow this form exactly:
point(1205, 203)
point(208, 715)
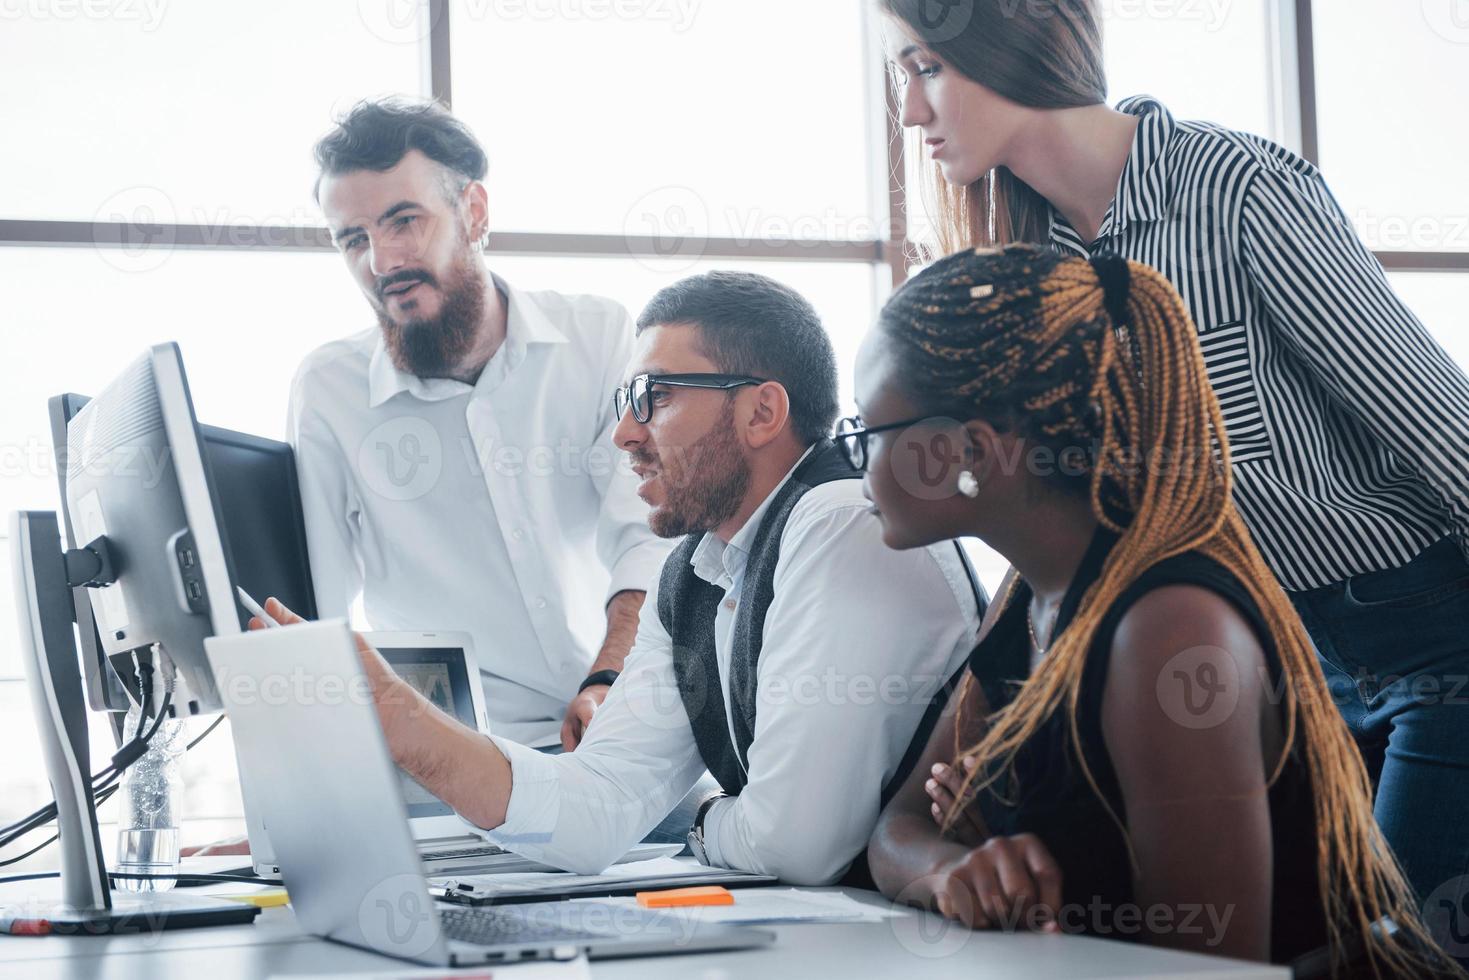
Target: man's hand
point(622, 629)
point(388, 690)
point(579, 715)
point(451, 760)
point(943, 787)
point(1009, 883)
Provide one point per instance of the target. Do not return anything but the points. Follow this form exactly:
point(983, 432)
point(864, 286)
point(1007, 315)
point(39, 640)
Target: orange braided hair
point(1023, 337)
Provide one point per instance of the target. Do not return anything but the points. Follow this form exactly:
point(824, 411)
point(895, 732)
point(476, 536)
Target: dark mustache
point(398, 278)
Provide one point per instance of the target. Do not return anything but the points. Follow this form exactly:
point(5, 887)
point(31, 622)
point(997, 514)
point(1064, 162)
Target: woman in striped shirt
point(1349, 424)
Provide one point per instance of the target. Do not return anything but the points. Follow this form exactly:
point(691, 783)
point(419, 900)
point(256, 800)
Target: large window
point(182, 113)
point(1394, 155)
point(628, 149)
point(745, 119)
point(1441, 301)
point(1203, 60)
point(1210, 61)
point(77, 316)
point(158, 172)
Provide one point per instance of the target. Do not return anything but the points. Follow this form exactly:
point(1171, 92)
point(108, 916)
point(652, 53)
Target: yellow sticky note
point(264, 900)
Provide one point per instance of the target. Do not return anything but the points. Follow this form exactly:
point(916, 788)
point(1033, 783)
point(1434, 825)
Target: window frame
point(1294, 108)
point(1292, 58)
point(1293, 89)
point(439, 77)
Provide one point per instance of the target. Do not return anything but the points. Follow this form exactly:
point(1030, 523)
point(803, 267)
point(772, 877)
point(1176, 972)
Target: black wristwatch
point(695, 839)
point(597, 679)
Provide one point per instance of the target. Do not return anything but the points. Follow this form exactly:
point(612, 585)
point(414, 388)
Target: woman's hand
point(1009, 883)
point(943, 787)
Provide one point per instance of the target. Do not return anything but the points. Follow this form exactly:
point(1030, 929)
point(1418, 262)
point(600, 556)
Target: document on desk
point(769, 906)
point(576, 969)
point(624, 879)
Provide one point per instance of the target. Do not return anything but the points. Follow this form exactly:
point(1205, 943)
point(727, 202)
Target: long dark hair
point(1045, 54)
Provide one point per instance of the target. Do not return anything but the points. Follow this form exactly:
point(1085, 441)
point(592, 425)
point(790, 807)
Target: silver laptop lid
point(306, 729)
point(440, 666)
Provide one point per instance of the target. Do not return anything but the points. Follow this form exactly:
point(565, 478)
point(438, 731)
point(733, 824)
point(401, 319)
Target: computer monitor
point(259, 499)
point(255, 490)
point(144, 512)
point(140, 492)
point(104, 687)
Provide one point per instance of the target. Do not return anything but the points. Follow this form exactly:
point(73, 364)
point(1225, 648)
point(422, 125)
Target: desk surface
point(913, 944)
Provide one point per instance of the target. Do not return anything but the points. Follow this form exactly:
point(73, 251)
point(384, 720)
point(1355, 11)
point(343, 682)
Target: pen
point(16, 925)
point(254, 609)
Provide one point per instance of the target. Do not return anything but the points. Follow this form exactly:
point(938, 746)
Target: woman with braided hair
point(1348, 423)
point(1148, 746)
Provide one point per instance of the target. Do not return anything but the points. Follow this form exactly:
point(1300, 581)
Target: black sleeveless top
point(1048, 794)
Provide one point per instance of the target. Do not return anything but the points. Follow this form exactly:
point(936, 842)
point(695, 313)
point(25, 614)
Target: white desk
point(914, 945)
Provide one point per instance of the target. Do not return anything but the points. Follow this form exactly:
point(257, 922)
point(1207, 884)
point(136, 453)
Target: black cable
point(104, 782)
point(122, 759)
point(35, 877)
point(138, 747)
point(39, 847)
point(200, 737)
point(103, 790)
point(102, 797)
point(238, 879)
point(162, 714)
point(47, 813)
point(185, 876)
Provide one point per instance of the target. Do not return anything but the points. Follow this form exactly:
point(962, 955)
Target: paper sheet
point(576, 969)
point(775, 905)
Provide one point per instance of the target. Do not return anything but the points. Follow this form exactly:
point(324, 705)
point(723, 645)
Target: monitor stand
point(48, 648)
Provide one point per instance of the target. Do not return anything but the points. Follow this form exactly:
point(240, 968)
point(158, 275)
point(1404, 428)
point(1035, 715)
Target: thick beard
point(709, 485)
point(435, 347)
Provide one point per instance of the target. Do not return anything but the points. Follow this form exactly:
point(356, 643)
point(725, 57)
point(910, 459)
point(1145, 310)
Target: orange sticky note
point(677, 898)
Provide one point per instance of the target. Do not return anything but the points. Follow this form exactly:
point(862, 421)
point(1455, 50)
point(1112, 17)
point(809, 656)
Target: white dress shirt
point(856, 641)
point(501, 509)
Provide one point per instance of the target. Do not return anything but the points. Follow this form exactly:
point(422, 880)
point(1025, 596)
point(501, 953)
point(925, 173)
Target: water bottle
point(151, 793)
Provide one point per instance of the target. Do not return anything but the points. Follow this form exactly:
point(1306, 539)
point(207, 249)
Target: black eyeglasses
point(639, 394)
point(851, 435)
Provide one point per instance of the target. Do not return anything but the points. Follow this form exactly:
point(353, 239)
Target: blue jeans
point(1395, 649)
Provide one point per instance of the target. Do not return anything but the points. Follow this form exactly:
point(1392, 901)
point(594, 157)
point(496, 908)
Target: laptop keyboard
point(495, 926)
point(455, 854)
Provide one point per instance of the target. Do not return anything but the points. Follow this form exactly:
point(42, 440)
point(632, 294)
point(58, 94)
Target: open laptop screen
point(439, 674)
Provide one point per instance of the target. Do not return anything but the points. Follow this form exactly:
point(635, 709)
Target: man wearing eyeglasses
point(783, 646)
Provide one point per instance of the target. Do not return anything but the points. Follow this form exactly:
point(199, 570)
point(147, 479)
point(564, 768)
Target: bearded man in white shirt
point(784, 646)
point(456, 463)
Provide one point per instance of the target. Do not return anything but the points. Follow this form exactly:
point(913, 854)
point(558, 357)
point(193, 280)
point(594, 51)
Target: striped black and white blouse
point(1348, 424)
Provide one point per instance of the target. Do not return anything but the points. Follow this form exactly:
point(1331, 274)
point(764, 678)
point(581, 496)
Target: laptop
point(442, 667)
point(339, 822)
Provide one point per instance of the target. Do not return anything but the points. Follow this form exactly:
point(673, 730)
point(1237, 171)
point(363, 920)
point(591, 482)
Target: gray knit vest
point(687, 606)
